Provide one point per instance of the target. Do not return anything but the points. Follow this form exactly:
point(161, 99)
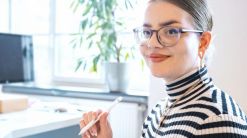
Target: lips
point(157, 57)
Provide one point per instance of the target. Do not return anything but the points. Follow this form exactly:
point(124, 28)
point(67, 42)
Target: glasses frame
point(180, 29)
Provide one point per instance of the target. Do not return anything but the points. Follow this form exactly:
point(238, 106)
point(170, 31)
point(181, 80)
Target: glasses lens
point(142, 35)
point(169, 36)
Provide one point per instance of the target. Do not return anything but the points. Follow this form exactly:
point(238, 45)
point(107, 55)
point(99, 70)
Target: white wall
point(4, 15)
point(229, 65)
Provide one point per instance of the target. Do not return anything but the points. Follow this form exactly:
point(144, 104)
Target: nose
point(153, 41)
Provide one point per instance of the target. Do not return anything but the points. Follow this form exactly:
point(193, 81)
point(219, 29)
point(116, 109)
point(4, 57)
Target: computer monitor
point(16, 58)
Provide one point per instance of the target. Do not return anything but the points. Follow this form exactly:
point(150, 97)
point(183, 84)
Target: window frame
point(52, 47)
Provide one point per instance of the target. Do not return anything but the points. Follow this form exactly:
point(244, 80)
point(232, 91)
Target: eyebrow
point(162, 24)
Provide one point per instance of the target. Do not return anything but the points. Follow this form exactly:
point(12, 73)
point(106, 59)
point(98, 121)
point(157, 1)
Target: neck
point(185, 84)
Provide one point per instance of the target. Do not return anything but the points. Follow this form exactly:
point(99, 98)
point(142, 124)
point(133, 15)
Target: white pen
point(91, 123)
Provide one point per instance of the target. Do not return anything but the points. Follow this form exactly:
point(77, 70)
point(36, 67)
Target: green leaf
point(72, 4)
point(91, 35)
point(87, 10)
point(128, 4)
point(76, 7)
point(126, 56)
point(81, 39)
point(104, 25)
point(79, 63)
point(84, 24)
point(132, 50)
point(73, 43)
point(98, 17)
point(84, 66)
point(119, 23)
point(81, 1)
point(142, 64)
point(95, 62)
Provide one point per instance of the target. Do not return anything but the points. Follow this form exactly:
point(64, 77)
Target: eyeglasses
point(167, 36)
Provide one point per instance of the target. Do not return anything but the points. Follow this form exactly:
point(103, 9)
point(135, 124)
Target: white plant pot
point(117, 76)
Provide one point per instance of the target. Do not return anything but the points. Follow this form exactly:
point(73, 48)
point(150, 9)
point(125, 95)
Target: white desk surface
point(40, 117)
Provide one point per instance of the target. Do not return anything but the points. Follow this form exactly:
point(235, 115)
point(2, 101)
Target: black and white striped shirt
point(204, 112)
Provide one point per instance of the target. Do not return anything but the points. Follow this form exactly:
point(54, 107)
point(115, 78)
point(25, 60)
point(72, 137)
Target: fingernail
point(92, 133)
point(95, 133)
point(88, 135)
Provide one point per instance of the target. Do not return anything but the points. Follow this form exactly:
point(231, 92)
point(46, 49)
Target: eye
point(172, 31)
point(146, 33)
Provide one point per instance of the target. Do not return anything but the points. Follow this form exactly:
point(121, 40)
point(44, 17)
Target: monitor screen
point(16, 58)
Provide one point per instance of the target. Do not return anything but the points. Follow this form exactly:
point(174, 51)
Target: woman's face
point(170, 63)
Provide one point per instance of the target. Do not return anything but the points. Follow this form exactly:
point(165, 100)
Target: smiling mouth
point(156, 58)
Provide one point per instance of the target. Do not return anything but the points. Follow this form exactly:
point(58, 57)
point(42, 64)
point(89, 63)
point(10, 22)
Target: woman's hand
point(101, 129)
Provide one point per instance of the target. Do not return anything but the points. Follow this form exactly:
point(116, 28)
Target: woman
point(173, 41)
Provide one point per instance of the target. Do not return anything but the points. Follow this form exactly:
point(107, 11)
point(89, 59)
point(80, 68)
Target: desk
point(39, 118)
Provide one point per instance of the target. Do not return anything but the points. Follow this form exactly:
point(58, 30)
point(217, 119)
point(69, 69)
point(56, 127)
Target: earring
point(201, 59)
point(201, 56)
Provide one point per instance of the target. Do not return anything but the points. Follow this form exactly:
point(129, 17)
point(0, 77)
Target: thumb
point(104, 124)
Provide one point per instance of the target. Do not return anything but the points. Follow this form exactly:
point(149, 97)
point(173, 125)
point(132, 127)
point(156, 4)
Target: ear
point(204, 43)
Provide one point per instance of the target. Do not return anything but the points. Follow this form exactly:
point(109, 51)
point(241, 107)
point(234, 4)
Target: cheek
point(143, 51)
point(188, 51)
point(192, 47)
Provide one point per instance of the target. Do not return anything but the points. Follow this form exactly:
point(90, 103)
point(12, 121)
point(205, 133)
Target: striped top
point(204, 112)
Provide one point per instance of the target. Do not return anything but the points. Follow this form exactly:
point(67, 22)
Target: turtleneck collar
point(178, 87)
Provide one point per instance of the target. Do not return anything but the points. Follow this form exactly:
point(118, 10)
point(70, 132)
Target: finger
point(90, 118)
point(86, 134)
point(81, 121)
point(104, 125)
point(87, 117)
point(86, 120)
point(81, 124)
point(98, 112)
point(94, 127)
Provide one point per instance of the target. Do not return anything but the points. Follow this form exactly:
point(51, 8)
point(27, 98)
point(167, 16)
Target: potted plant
point(99, 26)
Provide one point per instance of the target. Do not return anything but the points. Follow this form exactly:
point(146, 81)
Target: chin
point(168, 74)
point(167, 78)
point(159, 73)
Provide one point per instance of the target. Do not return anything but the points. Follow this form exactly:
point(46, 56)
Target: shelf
point(74, 92)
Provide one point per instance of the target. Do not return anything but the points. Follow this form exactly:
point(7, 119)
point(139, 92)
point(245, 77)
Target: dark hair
point(198, 9)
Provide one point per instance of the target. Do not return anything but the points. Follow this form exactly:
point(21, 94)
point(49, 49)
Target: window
point(66, 56)
point(33, 17)
point(30, 16)
point(52, 23)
